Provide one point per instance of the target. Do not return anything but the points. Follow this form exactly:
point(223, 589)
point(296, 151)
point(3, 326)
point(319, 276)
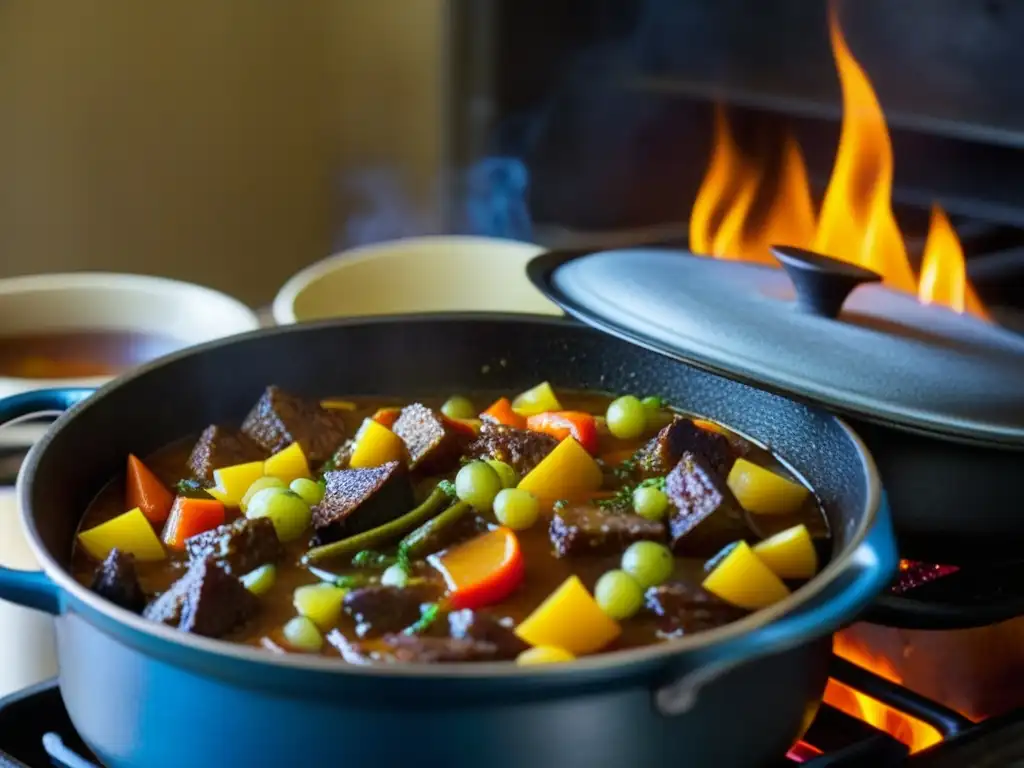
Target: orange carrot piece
point(189, 517)
point(501, 412)
point(145, 491)
point(386, 417)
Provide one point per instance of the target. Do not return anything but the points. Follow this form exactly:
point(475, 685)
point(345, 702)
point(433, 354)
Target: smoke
point(487, 199)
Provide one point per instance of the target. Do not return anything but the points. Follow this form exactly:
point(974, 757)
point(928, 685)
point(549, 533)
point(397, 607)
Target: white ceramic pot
point(99, 301)
point(86, 301)
point(420, 274)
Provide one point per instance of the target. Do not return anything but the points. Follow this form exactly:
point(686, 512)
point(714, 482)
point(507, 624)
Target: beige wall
point(203, 139)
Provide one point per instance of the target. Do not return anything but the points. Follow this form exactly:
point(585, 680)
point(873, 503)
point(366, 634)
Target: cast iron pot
point(934, 395)
point(142, 694)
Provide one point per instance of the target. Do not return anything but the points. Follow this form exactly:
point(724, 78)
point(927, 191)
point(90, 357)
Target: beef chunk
point(412, 649)
point(521, 448)
point(471, 625)
point(589, 530)
point(221, 447)
point(207, 601)
point(434, 445)
point(666, 448)
point(280, 419)
point(707, 515)
point(117, 581)
point(240, 546)
point(686, 608)
point(359, 499)
point(378, 609)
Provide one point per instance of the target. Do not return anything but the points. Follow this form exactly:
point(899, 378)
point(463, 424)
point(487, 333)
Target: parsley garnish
point(448, 487)
point(625, 470)
point(403, 561)
point(189, 487)
point(427, 618)
point(559, 505)
point(623, 498)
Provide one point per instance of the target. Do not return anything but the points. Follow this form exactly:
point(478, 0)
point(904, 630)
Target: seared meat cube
point(117, 580)
point(280, 419)
point(359, 499)
point(434, 445)
point(707, 515)
point(207, 601)
point(521, 448)
point(687, 608)
point(221, 447)
point(471, 625)
point(589, 530)
point(240, 546)
point(407, 649)
point(379, 609)
point(666, 448)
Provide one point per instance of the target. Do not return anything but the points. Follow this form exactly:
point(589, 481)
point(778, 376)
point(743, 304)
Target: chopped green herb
point(428, 616)
point(190, 487)
point(625, 470)
point(448, 487)
point(559, 505)
point(403, 560)
point(368, 558)
point(653, 482)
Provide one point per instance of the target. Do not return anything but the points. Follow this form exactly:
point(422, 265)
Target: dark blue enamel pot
point(141, 694)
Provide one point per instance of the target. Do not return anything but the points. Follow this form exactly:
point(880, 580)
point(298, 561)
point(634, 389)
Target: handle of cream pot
point(867, 571)
point(33, 589)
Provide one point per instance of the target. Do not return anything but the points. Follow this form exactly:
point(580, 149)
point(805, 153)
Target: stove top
point(35, 731)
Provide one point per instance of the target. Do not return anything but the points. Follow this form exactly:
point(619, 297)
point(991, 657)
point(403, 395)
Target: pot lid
point(817, 331)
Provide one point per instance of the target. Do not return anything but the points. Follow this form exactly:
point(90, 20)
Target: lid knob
point(822, 283)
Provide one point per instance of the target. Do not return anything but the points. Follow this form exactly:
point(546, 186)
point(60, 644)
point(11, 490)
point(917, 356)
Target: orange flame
point(943, 271)
point(856, 222)
point(910, 731)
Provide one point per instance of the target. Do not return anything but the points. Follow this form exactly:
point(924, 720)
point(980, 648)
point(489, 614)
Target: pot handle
point(864, 574)
point(33, 589)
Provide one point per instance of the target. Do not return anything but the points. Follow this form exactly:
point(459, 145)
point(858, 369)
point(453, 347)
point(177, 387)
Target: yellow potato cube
point(742, 579)
point(287, 464)
point(569, 619)
point(232, 482)
point(568, 472)
point(375, 445)
point(130, 532)
point(762, 492)
point(790, 553)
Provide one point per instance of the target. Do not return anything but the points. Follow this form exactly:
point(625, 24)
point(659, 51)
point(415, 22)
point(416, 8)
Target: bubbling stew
point(533, 529)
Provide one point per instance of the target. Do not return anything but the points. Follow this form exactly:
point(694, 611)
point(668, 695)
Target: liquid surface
point(544, 573)
point(79, 354)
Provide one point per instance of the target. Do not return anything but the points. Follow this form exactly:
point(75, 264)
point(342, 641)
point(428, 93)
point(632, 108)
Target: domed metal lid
point(875, 354)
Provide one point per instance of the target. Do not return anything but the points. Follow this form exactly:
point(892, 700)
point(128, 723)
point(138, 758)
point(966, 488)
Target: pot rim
point(210, 650)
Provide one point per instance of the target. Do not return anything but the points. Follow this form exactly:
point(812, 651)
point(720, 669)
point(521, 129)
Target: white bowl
point(420, 274)
point(98, 301)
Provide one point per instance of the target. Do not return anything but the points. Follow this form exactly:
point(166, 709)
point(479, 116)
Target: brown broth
point(79, 354)
point(544, 573)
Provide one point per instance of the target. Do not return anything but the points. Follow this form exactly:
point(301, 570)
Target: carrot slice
point(386, 417)
point(145, 491)
point(483, 571)
point(500, 411)
point(189, 517)
point(562, 424)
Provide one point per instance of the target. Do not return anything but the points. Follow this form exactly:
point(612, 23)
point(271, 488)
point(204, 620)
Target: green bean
point(382, 533)
point(415, 543)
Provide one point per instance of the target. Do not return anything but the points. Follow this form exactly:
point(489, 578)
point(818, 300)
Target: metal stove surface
point(35, 731)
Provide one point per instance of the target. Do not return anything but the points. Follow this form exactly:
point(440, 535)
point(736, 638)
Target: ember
point(914, 574)
point(855, 222)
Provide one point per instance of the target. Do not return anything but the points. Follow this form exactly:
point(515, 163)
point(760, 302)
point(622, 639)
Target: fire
point(855, 222)
point(912, 732)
